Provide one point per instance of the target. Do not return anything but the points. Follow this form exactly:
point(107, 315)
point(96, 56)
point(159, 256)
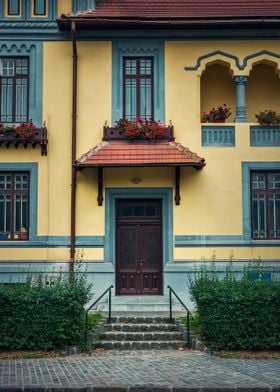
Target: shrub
point(237, 314)
point(40, 317)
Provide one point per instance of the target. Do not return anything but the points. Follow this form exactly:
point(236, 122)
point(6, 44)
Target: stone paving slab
point(140, 371)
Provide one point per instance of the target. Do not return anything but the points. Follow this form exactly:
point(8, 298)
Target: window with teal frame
point(138, 80)
point(21, 82)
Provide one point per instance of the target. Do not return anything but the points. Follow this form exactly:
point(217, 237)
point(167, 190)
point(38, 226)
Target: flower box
point(24, 134)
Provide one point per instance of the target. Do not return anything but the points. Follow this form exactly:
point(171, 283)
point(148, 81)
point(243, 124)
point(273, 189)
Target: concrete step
point(139, 320)
point(141, 336)
point(140, 327)
point(149, 303)
point(139, 345)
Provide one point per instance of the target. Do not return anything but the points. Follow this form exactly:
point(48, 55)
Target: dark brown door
point(139, 247)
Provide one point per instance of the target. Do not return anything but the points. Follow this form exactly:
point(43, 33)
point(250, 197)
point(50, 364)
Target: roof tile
point(126, 153)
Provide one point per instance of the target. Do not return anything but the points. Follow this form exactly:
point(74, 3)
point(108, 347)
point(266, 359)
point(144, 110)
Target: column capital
point(240, 79)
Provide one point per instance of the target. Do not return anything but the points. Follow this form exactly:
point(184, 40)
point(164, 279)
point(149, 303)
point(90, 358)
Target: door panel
point(139, 247)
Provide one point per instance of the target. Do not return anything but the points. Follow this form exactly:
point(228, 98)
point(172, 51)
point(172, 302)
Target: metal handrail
point(95, 302)
point(171, 291)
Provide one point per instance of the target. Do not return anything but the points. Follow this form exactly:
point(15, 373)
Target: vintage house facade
point(143, 213)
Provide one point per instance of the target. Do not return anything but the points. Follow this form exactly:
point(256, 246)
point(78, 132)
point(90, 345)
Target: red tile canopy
point(126, 154)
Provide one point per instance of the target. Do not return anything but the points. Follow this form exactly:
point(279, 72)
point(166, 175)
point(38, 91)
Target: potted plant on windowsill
point(217, 114)
point(268, 118)
point(142, 129)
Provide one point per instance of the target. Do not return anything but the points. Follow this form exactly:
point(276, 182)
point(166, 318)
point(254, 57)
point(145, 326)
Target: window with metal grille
point(14, 89)
point(14, 205)
point(138, 88)
point(265, 205)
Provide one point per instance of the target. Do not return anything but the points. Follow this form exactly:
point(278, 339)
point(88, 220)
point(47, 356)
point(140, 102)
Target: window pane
point(7, 67)
point(274, 181)
point(130, 67)
point(39, 7)
point(274, 215)
point(145, 67)
point(6, 100)
point(131, 98)
point(13, 7)
point(21, 100)
point(259, 215)
point(145, 98)
point(258, 181)
point(21, 67)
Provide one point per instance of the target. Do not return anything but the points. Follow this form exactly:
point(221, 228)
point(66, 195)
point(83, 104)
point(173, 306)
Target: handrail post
point(170, 305)
point(110, 306)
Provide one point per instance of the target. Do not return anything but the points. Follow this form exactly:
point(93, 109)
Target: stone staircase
point(141, 333)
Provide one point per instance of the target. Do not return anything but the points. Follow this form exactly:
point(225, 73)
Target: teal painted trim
point(82, 5)
point(55, 242)
point(112, 194)
point(257, 54)
point(218, 136)
point(227, 241)
point(238, 64)
point(211, 54)
point(34, 51)
point(247, 167)
point(142, 48)
point(32, 168)
point(264, 136)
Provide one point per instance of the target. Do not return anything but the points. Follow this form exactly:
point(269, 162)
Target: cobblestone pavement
point(140, 371)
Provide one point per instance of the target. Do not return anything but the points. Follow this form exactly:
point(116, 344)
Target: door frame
point(139, 226)
point(165, 194)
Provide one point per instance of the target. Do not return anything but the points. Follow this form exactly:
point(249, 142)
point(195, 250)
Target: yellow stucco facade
point(213, 215)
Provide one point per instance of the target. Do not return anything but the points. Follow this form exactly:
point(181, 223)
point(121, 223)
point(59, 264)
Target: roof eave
point(64, 22)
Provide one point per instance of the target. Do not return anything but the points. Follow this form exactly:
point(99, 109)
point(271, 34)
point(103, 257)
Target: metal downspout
point(73, 156)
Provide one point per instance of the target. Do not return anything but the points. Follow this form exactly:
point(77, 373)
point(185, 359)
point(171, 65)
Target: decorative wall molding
point(228, 57)
point(264, 136)
point(218, 136)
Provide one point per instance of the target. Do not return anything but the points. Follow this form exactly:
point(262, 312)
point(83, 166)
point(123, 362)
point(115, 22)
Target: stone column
point(241, 110)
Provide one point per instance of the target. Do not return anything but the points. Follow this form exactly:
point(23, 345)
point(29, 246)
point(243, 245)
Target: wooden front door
point(139, 247)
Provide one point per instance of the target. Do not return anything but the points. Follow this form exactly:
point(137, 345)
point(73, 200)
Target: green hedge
point(237, 314)
point(41, 317)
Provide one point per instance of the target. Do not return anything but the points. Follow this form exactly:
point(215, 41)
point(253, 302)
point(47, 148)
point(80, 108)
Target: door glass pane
point(150, 246)
point(139, 210)
point(126, 245)
point(150, 210)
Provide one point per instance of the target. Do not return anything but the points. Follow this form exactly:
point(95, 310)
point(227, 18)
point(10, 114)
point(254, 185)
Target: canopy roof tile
point(127, 154)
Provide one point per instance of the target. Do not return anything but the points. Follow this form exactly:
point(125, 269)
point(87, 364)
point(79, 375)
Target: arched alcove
point(263, 89)
point(217, 87)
